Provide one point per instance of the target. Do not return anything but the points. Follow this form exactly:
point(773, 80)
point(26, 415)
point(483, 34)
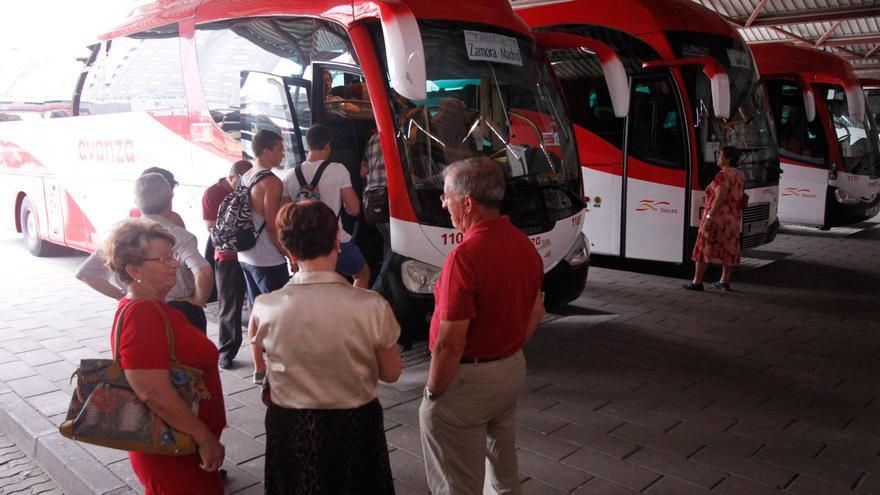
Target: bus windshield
point(489, 95)
point(749, 129)
point(857, 139)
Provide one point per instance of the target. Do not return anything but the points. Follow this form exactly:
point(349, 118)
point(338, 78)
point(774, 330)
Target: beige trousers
point(471, 429)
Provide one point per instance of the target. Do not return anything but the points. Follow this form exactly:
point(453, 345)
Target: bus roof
point(159, 13)
point(637, 17)
point(814, 65)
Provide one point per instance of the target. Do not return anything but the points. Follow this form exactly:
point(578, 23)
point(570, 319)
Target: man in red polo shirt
point(229, 277)
point(487, 304)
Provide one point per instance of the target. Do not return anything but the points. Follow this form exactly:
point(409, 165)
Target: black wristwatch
point(431, 396)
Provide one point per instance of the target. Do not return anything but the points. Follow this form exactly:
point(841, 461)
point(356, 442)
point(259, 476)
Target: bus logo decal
point(799, 192)
point(650, 205)
point(106, 151)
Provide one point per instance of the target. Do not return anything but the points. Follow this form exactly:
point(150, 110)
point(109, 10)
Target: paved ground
point(19, 474)
point(638, 387)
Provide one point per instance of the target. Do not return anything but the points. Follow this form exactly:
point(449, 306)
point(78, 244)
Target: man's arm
point(535, 315)
point(350, 201)
point(272, 189)
point(192, 259)
point(447, 354)
point(95, 274)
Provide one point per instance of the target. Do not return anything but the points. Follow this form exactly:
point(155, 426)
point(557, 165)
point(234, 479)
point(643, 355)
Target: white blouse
point(321, 336)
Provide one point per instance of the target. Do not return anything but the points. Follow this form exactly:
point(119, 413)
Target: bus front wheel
point(30, 232)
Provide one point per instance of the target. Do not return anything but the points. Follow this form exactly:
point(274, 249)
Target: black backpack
point(309, 190)
point(234, 230)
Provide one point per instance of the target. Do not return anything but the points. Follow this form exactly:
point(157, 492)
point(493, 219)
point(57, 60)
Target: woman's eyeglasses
point(168, 260)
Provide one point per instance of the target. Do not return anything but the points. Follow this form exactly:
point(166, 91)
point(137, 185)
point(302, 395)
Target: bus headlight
point(419, 277)
point(580, 252)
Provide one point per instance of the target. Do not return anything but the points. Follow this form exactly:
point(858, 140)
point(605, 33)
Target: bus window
point(799, 139)
point(580, 74)
point(264, 105)
point(279, 47)
point(656, 135)
point(135, 75)
point(856, 139)
point(505, 110)
point(345, 95)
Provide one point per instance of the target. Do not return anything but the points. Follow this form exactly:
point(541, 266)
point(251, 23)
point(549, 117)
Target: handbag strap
point(168, 333)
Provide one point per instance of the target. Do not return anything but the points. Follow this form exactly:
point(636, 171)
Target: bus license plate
point(755, 227)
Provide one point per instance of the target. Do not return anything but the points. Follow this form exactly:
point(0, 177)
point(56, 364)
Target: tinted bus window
point(135, 75)
point(799, 139)
point(589, 102)
point(856, 139)
point(656, 135)
point(264, 64)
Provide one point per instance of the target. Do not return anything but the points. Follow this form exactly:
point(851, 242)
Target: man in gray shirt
point(194, 276)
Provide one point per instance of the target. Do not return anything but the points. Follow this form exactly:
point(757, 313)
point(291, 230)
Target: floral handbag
point(105, 410)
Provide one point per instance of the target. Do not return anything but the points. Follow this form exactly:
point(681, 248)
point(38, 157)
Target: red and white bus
point(185, 85)
point(693, 88)
point(827, 143)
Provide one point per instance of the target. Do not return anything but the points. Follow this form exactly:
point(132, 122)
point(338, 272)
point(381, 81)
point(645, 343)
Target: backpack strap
point(298, 170)
point(318, 174)
point(257, 178)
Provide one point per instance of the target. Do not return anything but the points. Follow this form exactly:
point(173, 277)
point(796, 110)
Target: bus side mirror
point(404, 50)
point(615, 74)
point(809, 103)
point(855, 101)
point(719, 82)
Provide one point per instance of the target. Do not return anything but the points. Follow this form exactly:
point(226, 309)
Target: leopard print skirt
point(327, 451)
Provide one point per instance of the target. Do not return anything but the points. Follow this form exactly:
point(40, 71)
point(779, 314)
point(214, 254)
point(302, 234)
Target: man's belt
point(467, 360)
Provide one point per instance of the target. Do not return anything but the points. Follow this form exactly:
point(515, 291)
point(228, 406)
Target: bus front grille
point(756, 213)
point(755, 222)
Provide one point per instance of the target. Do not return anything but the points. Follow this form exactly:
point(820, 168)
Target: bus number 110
point(453, 238)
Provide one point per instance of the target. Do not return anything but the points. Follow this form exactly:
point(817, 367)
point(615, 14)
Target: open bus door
point(655, 171)
point(267, 103)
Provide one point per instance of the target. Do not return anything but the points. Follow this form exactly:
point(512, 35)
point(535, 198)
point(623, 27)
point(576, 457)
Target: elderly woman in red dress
point(718, 237)
point(139, 252)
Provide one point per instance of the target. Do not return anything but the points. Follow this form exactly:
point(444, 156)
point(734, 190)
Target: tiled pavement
point(19, 475)
point(638, 387)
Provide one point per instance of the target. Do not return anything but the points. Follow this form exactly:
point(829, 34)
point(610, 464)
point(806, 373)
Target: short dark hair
point(240, 167)
point(163, 172)
point(733, 155)
point(317, 137)
point(263, 140)
point(307, 229)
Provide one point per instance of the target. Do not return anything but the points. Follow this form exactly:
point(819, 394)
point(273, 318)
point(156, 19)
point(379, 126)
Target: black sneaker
point(692, 286)
point(722, 286)
point(225, 362)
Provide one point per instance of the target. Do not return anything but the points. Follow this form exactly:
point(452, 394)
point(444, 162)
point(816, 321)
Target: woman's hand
point(211, 451)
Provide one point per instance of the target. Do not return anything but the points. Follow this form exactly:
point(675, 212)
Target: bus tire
point(30, 233)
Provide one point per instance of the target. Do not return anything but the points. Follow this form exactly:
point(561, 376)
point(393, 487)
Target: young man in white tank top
point(264, 265)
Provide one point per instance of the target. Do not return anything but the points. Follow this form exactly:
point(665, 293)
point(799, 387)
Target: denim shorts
point(350, 261)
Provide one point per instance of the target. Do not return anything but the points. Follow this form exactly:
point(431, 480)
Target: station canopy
point(847, 28)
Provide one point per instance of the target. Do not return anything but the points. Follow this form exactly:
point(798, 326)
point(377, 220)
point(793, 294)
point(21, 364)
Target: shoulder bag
point(106, 411)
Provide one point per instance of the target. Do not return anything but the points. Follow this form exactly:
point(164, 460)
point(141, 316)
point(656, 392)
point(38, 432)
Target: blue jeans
point(350, 261)
point(263, 279)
